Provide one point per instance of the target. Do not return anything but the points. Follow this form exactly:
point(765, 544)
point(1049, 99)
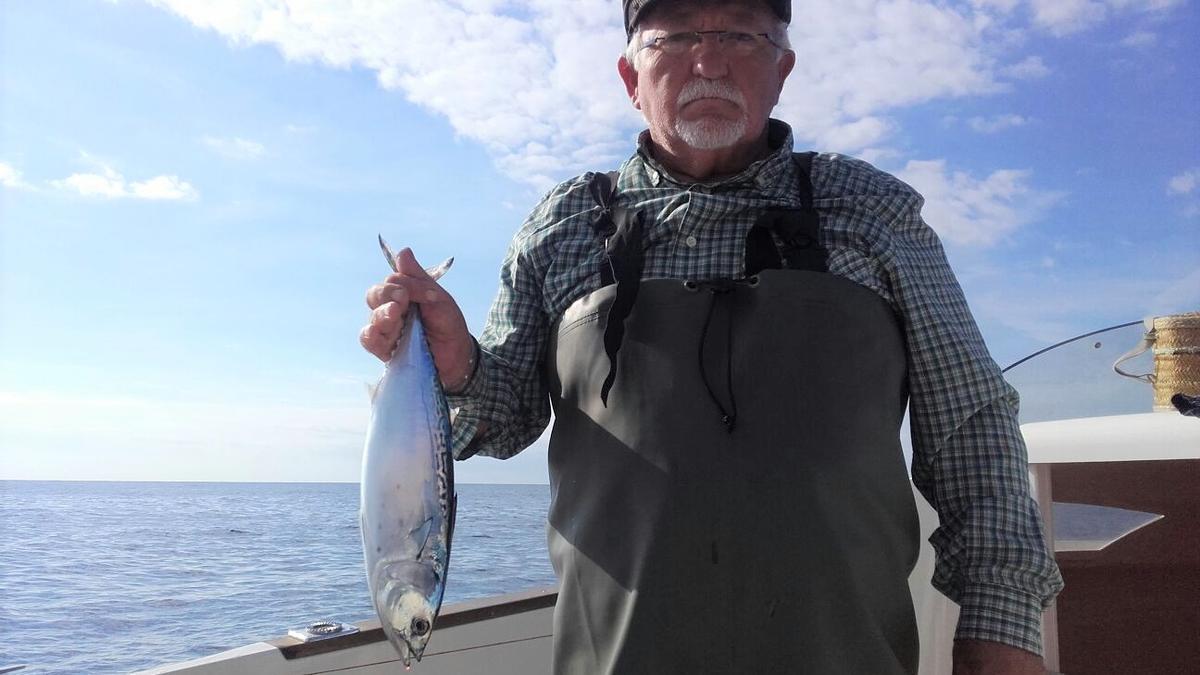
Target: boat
point(1116, 482)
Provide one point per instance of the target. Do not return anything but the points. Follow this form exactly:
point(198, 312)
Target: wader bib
point(740, 504)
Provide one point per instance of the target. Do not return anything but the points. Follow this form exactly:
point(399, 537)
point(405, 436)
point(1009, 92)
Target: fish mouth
point(408, 654)
point(407, 650)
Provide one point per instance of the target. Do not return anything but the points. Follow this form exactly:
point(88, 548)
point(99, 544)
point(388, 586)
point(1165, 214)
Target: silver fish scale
point(408, 502)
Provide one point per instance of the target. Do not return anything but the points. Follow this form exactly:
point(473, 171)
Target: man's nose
point(709, 59)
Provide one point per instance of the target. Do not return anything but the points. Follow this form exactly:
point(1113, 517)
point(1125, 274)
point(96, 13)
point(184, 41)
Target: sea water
point(99, 577)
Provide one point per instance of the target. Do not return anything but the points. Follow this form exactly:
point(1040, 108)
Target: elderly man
point(729, 334)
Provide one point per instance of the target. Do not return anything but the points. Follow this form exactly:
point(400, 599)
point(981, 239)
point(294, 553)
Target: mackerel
point(408, 501)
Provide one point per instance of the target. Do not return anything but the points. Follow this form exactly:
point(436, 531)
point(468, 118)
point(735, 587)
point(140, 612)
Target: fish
point(407, 498)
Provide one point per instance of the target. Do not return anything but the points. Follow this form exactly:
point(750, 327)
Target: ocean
point(99, 577)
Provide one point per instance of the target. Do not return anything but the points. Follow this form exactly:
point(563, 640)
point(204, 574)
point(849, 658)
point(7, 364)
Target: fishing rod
point(1068, 341)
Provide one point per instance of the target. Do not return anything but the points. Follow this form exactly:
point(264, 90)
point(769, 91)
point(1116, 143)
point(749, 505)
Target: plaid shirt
point(969, 459)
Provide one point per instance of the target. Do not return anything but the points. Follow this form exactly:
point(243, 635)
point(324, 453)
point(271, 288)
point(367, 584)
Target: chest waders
point(728, 489)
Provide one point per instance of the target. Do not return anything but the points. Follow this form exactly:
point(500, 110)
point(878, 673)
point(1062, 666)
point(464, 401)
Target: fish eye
point(420, 627)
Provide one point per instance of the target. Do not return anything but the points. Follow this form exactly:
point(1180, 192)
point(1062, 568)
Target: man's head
point(706, 73)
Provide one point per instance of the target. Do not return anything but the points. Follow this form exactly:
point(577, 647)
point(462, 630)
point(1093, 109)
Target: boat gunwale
point(457, 614)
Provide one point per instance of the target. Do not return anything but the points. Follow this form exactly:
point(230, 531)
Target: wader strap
point(624, 250)
point(622, 235)
point(603, 188)
point(796, 230)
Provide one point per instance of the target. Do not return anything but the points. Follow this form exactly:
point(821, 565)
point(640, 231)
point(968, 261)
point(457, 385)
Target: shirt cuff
point(1000, 614)
point(464, 404)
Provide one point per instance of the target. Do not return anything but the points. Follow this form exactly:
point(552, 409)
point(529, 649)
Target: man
point(729, 336)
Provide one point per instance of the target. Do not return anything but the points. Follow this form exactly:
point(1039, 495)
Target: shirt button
point(690, 241)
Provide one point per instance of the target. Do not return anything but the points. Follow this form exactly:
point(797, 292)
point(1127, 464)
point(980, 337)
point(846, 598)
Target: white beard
point(710, 133)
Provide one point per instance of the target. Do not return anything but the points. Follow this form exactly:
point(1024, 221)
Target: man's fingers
point(381, 294)
point(408, 265)
point(391, 300)
point(388, 319)
point(419, 290)
point(375, 342)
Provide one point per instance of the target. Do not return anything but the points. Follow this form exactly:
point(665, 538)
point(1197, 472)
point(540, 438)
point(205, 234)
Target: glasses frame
point(655, 43)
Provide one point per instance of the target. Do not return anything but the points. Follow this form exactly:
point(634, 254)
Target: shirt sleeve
point(505, 405)
point(969, 458)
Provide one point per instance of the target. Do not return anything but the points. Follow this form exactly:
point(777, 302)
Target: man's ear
point(630, 77)
point(786, 63)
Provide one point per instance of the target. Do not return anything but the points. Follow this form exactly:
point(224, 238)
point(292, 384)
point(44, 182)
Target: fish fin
point(423, 531)
point(387, 253)
point(453, 517)
point(436, 271)
point(440, 269)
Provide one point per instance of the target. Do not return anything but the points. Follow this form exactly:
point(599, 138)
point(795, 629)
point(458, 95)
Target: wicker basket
point(1176, 342)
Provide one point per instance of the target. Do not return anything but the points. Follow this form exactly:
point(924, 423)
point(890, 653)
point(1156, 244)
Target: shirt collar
point(767, 174)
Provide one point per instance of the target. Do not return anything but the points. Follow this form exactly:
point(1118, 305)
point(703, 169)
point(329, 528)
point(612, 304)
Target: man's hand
point(445, 327)
point(979, 657)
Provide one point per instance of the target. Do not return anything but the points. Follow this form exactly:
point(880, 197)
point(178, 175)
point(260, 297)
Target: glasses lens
point(742, 43)
point(678, 43)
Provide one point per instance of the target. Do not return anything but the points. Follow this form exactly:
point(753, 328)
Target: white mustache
point(702, 88)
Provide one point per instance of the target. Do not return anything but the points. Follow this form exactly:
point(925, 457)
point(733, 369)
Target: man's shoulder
point(567, 206)
point(835, 175)
point(572, 195)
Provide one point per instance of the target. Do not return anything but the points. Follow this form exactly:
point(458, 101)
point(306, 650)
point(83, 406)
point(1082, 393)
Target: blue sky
point(189, 192)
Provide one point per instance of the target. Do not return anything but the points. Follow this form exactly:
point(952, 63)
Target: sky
point(190, 192)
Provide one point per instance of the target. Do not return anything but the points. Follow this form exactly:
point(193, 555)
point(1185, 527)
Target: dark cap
point(636, 9)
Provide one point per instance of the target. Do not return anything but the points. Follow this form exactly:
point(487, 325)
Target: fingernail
point(398, 295)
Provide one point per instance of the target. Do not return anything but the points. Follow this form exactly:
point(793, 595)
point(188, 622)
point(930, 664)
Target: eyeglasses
point(735, 42)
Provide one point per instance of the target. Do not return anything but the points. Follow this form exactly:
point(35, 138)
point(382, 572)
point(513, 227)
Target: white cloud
point(162, 187)
point(1067, 16)
point(854, 136)
point(1141, 38)
point(1062, 17)
point(1185, 183)
point(107, 182)
point(968, 211)
point(991, 125)
point(11, 178)
point(1029, 68)
point(858, 61)
point(235, 148)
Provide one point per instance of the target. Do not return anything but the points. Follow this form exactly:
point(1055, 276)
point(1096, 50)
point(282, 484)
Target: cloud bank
point(534, 81)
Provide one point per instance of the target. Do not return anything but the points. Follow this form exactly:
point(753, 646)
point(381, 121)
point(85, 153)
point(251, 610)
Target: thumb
point(408, 265)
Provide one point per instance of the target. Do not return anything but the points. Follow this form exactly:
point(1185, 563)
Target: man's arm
point(969, 458)
point(504, 406)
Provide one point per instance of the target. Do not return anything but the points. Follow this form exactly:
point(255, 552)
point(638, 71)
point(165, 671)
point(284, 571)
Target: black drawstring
point(728, 417)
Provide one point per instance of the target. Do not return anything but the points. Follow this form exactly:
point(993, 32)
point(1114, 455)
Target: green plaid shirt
point(969, 459)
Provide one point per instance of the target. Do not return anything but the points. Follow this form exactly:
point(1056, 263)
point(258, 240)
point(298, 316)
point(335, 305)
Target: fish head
point(408, 622)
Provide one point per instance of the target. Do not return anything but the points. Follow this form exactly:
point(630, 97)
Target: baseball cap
point(635, 9)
